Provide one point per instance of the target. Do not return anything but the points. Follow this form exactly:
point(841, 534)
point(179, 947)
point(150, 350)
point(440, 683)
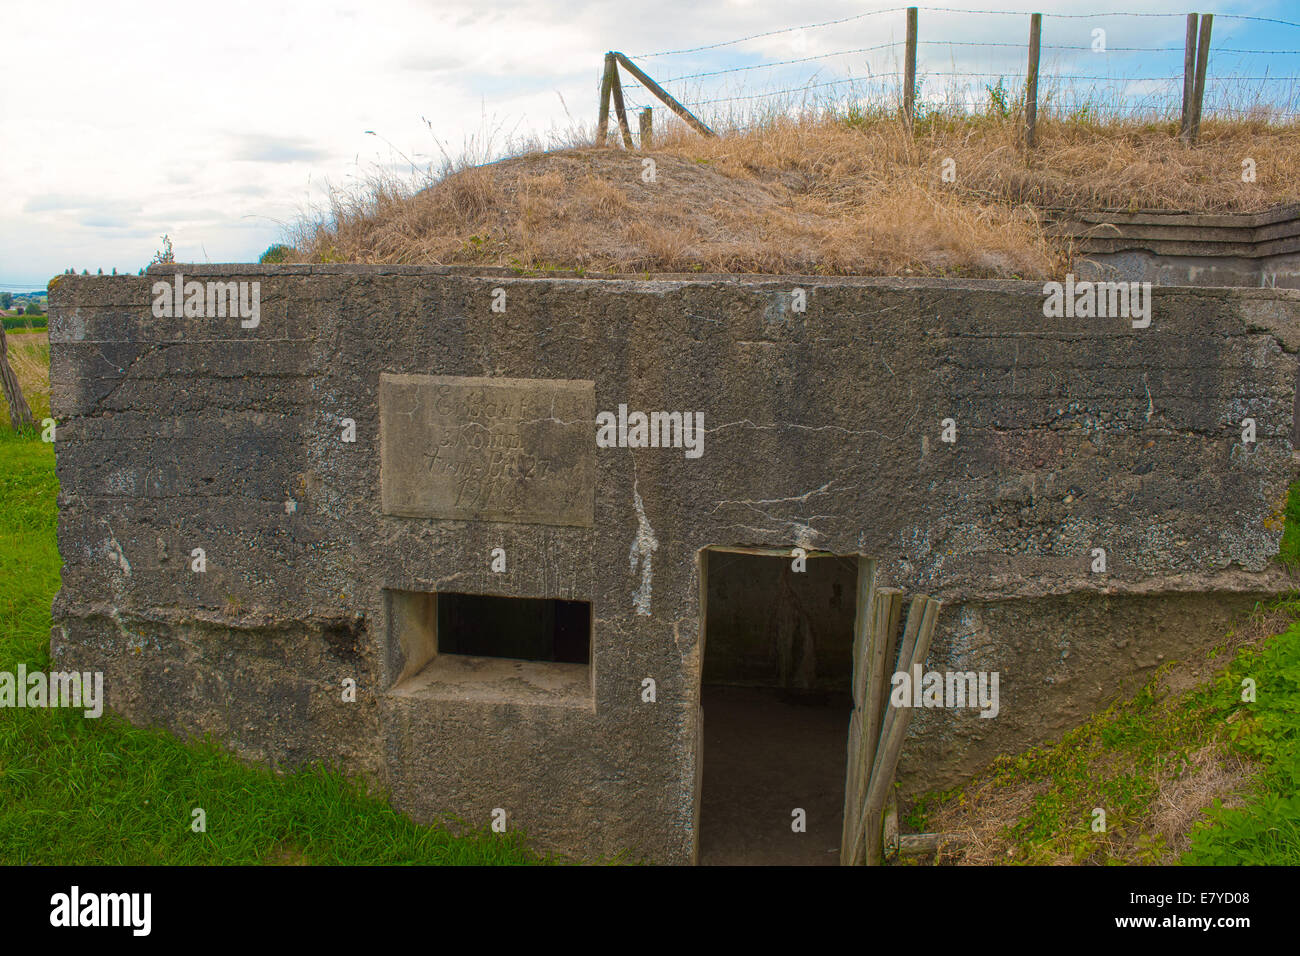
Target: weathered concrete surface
point(1169, 248)
point(823, 429)
point(492, 450)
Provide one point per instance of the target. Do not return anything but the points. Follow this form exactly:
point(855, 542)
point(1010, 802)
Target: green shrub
point(276, 253)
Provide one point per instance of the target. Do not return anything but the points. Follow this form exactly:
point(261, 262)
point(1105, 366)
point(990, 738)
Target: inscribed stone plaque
point(488, 449)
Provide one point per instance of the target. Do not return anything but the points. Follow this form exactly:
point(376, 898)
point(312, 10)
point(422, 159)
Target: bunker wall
point(823, 428)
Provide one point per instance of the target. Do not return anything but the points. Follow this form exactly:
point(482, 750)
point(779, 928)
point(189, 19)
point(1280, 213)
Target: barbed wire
point(770, 33)
point(796, 89)
point(888, 78)
point(1018, 13)
point(802, 59)
point(971, 43)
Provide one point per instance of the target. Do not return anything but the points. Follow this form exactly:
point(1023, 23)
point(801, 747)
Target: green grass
point(14, 323)
point(1266, 830)
point(1289, 550)
point(1116, 760)
point(80, 791)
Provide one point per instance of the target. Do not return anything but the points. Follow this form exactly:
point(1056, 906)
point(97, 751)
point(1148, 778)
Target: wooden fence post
point(1202, 61)
point(606, 82)
point(647, 128)
point(20, 413)
point(1031, 82)
point(909, 68)
point(869, 678)
point(1189, 77)
point(867, 838)
point(617, 89)
point(660, 92)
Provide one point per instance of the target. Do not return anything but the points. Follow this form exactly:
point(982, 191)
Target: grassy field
point(78, 791)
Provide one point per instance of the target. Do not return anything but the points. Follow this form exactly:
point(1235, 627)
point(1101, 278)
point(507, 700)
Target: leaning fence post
point(909, 68)
point(1202, 61)
point(663, 95)
point(616, 88)
point(1189, 76)
point(1031, 82)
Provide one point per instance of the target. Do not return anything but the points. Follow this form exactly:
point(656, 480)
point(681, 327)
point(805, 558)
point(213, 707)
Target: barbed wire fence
point(1065, 66)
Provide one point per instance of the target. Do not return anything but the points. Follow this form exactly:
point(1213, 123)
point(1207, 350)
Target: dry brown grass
point(1211, 773)
point(984, 819)
point(816, 195)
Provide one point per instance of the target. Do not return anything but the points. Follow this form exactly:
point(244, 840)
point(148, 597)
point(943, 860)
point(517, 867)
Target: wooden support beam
point(922, 844)
point(660, 92)
point(889, 839)
point(921, 622)
point(891, 652)
point(1031, 83)
point(866, 635)
point(889, 606)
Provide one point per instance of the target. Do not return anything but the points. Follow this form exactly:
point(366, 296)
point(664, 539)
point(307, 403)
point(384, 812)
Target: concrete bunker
point(360, 455)
point(776, 698)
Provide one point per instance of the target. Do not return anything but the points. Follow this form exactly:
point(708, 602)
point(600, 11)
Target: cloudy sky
point(221, 124)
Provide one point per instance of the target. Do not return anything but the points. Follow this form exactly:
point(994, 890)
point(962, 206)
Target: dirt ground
point(767, 753)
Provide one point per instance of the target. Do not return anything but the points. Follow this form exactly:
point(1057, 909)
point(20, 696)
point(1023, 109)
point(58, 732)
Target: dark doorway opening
point(526, 629)
point(776, 696)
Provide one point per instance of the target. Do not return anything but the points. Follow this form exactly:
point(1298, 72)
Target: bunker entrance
point(775, 701)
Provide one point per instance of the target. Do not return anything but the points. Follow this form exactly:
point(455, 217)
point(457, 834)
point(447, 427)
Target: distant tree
point(85, 272)
point(164, 254)
point(6, 300)
point(101, 271)
point(276, 253)
point(33, 308)
point(114, 270)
